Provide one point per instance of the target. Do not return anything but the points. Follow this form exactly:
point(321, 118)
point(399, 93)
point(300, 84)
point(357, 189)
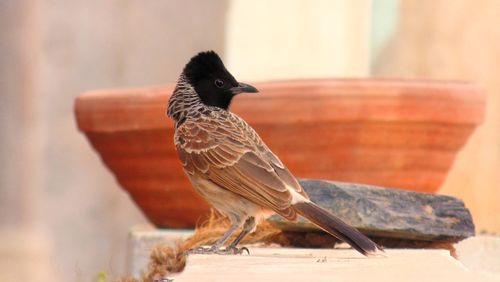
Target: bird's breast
point(226, 202)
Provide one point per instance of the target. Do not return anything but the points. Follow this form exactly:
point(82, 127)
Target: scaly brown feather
point(222, 148)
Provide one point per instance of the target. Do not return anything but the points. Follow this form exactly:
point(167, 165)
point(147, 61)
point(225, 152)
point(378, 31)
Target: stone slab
point(391, 213)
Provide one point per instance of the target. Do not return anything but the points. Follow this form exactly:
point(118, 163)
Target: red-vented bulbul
point(230, 166)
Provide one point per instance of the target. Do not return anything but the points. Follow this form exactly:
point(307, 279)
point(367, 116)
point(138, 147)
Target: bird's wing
point(228, 152)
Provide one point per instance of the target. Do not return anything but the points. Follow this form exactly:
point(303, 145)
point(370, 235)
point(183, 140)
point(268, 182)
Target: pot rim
point(308, 100)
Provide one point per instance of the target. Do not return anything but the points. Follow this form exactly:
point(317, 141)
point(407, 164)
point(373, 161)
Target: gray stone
point(388, 213)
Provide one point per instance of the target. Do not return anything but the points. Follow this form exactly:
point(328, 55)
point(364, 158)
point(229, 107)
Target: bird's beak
point(243, 88)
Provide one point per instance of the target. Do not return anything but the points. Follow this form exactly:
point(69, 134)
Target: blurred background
point(62, 215)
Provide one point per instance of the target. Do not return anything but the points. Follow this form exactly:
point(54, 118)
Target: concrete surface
point(272, 264)
point(481, 254)
point(479, 260)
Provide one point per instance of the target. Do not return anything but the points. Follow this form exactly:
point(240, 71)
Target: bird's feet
point(220, 251)
point(233, 251)
point(202, 250)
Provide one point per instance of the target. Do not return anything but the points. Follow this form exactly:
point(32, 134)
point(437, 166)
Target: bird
point(230, 166)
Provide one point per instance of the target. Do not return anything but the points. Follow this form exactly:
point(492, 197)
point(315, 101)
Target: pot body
point(393, 133)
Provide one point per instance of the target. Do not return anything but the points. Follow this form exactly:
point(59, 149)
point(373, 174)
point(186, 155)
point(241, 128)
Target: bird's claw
point(233, 251)
point(224, 251)
point(202, 250)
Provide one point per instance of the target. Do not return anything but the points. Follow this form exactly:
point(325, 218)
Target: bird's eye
point(219, 83)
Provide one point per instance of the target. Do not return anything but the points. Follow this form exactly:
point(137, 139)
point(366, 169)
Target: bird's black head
point(211, 80)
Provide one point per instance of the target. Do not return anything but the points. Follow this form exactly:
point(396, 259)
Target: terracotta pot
point(393, 133)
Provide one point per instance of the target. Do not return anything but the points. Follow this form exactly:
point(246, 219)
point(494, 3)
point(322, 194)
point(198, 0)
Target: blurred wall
point(62, 215)
point(456, 40)
point(283, 39)
point(21, 246)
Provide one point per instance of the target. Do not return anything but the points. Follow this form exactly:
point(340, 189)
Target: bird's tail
point(336, 227)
